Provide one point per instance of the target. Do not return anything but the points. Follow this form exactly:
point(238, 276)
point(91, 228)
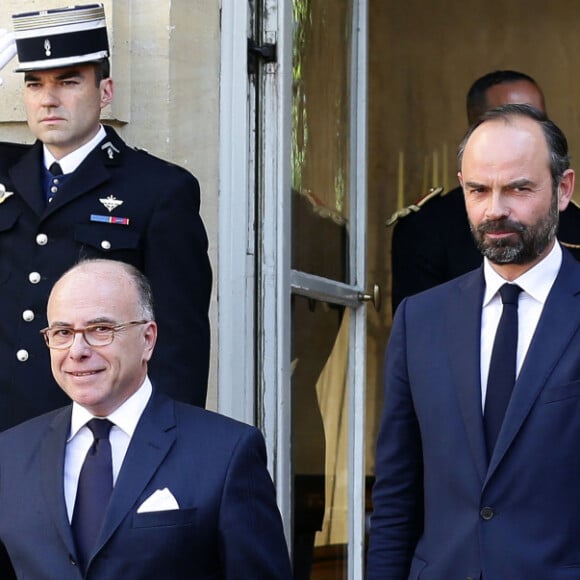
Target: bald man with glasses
point(126, 482)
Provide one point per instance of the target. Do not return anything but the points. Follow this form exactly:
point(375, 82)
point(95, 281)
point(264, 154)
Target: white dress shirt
point(71, 161)
point(536, 284)
point(124, 420)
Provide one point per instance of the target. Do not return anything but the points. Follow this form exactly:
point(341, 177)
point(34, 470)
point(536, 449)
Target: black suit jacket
point(164, 237)
point(227, 525)
point(435, 245)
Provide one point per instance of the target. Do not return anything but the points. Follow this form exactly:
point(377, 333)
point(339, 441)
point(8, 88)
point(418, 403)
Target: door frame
point(254, 299)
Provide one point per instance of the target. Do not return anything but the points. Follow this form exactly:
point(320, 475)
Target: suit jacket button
point(72, 560)
point(106, 245)
point(486, 513)
point(34, 277)
point(22, 355)
point(28, 316)
point(41, 239)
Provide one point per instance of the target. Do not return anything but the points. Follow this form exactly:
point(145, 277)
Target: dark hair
point(102, 70)
point(555, 138)
point(477, 94)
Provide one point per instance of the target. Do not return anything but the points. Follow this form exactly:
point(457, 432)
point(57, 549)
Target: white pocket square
point(159, 501)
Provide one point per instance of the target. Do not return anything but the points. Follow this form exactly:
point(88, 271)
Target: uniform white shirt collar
point(536, 282)
point(71, 161)
point(124, 417)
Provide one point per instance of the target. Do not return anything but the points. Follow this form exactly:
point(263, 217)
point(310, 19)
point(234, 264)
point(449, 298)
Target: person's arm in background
point(417, 257)
point(177, 265)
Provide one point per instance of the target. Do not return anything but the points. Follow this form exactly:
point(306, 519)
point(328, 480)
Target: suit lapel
point(558, 323)
point(153, 438)
point(91, 173)
point(52, 462)
point(463, 333)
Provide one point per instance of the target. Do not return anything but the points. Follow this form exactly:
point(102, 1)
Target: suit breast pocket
point(167, 518)
point(561, 392)
point(112, 241)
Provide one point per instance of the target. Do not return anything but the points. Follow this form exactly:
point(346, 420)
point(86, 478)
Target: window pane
point(319, 438)
point(320, 136)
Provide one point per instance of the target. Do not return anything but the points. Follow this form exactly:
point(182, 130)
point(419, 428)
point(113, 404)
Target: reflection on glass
point(320, 135)
point(319, 439)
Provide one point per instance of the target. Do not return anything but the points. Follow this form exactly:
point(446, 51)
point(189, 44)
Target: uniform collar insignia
point(111, 202)
point(4, 195)
point(110, 149)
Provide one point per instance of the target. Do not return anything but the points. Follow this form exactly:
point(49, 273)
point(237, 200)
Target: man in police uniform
point(432, 243)
point(81, 192)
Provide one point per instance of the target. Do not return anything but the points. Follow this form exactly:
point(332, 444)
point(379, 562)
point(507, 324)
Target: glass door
point(328, 243)
point(310, 159)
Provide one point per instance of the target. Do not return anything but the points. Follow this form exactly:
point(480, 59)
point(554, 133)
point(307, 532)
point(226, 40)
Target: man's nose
point(497, 206)
point(79, 347)
point(48, 97)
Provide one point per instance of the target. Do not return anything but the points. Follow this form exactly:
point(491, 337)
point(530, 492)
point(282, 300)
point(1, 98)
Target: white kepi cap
point(60, 37)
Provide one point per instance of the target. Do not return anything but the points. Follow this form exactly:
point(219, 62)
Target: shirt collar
point(536, 282)
point(125, 417)
point(71, 161)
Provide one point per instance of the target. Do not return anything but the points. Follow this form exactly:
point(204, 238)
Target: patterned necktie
point(502, 368)
point(93, 491)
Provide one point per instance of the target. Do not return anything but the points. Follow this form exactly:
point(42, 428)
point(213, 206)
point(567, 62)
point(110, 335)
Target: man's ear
point(150, 336)
point(566, 189)
point(107, 91)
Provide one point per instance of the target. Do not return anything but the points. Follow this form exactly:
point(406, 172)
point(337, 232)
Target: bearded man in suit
point(477, 462)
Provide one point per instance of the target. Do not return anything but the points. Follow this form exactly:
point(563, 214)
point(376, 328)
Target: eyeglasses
point(101, 334)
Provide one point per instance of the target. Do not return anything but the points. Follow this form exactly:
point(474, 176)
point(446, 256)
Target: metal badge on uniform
point(110, 149)
point(110, 219)
point(111, 202)
point(4, 195)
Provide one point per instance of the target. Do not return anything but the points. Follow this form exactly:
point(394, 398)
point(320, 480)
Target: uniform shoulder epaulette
point(415, 206)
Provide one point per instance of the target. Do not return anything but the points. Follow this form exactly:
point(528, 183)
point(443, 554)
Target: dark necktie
point(54, 180)
point(502, 368)
point(93, 491)
point(55, 169)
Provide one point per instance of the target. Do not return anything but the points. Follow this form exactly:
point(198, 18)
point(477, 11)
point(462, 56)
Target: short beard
point(528, 244)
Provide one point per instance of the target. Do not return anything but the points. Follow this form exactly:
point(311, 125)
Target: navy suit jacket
point(227, 526)
point(440, 511)
point(164, 238)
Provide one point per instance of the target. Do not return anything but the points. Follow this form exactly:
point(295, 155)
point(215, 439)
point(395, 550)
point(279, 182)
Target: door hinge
point(259, 52)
